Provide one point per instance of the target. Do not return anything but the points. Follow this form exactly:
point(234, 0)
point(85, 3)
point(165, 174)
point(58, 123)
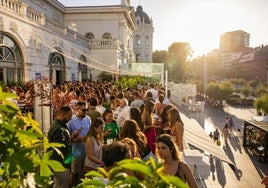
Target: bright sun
point(203, 24)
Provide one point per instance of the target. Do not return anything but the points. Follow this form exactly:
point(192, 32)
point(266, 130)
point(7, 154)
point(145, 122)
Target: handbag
point(218, 142)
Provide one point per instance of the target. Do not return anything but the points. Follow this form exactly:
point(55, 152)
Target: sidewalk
point(249, 170)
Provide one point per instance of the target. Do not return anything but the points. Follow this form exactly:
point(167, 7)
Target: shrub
point(24, 149)
point(150, 170)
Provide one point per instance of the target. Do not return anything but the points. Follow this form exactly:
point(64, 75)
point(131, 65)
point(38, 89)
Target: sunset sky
point(199, 22)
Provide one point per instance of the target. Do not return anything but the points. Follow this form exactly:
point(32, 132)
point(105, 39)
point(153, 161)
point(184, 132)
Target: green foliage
point(178, 55)
point(23, 147)
point(261, 90)
point(161, 56)
point(105, 76)
point(253, 83)
point(131, 81)
point(219, 91)
point(150, 170)
point(262, 104)
point(246, 90)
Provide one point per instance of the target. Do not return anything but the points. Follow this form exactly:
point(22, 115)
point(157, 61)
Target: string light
point(100, 65)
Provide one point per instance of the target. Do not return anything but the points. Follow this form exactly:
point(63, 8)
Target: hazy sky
point(199, 22)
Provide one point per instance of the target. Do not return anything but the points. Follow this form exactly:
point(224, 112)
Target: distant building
point(234, 41)
point(250, 64)
point(143, 37)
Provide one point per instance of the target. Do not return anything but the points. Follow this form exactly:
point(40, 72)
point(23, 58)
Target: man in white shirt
point(100, 108)
point(137, 102)
point(153, 91)
point(123, 112)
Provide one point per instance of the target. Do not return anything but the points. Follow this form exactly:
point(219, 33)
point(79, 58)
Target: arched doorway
point(11, 60)
point(83, 69)
point(57, 67)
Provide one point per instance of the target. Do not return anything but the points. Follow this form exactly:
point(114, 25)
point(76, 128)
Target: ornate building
point(45, 38)
point(143, 37)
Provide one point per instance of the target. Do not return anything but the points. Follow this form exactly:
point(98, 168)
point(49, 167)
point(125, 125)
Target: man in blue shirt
point(80, 122)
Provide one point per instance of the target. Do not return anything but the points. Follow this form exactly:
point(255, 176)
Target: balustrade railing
point(12, 5)
point(105, 43)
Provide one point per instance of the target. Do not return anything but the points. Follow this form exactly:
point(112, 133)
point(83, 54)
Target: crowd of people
point(93, 119)
point(100, 124)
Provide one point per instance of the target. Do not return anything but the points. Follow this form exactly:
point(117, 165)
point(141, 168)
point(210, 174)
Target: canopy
point(195, 135)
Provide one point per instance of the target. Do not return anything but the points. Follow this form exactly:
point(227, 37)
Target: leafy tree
point(242, 81)
point(219, 91)
point(261, 90)
point(246, 90)
point(179, 53)
point(214, 68)
point(24, 148)
point(131, 81)
point(253, 83)
point(115, 178)
point(262, 104)
point(161, 56)
point(105, 76)
point(197, 68)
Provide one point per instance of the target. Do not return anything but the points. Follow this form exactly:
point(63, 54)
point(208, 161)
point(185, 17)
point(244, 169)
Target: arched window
point(90, 35)
point(138, 40)
point(107, 36)
point(56, 59)
point(11, 60)
point(147, 40)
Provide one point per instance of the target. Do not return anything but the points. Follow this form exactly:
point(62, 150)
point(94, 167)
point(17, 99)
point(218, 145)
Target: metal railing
point(198, 178)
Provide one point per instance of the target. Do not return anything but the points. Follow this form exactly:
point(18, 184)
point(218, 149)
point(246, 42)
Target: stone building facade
point(45, 38)
point(143, 37)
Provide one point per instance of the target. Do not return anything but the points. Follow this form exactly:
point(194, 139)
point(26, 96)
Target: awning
point(195, 135)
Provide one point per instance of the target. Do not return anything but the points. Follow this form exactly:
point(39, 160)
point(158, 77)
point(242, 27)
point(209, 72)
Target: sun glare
point(203, 24)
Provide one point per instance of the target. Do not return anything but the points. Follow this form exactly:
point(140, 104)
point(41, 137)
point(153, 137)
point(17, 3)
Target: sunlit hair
point(130, 142)
point(131, 130)
point(169, 141)
point(163, 114)
point(92, 130)
point(147, 115)
point(135, 114)
point(175, 116)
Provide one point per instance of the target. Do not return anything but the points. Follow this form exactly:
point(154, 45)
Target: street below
point(249, 171)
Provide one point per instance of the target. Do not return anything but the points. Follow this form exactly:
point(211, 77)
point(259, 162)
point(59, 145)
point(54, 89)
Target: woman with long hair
point(163, 116)
point(94, 145)
point(111, 129)
point(167, 150)
point(176, 126)
point(135, 114)
point(131, 130)
point(132, 146)
point(149, 124)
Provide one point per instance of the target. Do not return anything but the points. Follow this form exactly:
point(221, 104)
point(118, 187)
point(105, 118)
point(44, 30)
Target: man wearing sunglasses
point(79, 124)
